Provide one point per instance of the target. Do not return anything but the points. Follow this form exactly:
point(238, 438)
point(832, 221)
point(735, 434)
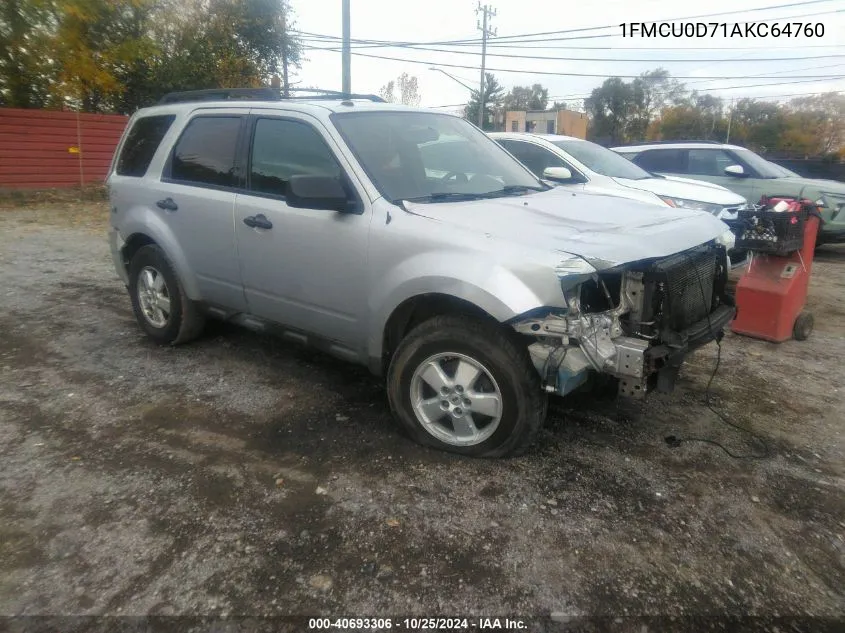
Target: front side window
point(532, 156)
point(399, 152)
point(708, 162)
point(602, 160)
point(205, 153)
point(141, 144)
point(284, 148)
point(764, 168)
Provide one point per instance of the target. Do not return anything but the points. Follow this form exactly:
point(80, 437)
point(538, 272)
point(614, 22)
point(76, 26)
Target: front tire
point(463, 385)
point(159, 302)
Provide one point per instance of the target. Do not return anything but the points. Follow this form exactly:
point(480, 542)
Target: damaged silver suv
point(408, 241)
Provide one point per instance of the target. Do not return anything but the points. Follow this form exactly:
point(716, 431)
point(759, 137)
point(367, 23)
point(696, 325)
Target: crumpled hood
point(605, 230)
point(685, 188)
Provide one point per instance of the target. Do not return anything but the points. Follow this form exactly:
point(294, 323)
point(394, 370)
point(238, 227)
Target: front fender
point(144, 221)
point(487, 285)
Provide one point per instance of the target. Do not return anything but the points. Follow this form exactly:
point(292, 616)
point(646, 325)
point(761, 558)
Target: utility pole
point(487, 12)
point(730, 116)
point(286, 92)
point(346, 54)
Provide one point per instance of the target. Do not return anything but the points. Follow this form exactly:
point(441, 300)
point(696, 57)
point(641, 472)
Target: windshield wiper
point(519, 189)
point(444, 196)
point(441, 196)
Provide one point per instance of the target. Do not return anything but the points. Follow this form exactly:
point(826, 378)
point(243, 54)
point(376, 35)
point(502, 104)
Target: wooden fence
point(44, 148)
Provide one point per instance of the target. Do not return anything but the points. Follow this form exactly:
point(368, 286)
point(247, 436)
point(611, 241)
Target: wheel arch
point(150, 230)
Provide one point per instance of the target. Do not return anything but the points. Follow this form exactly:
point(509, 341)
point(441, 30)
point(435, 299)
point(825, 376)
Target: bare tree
point(409, 92)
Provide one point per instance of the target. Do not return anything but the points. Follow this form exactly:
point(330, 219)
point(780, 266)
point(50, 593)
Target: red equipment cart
point(771, 294)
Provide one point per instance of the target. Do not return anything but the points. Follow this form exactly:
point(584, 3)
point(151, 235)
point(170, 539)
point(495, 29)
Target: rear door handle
point(167, 204)
point(259, 221)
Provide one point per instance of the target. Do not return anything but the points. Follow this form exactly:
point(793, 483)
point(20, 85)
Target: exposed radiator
point(685, 286)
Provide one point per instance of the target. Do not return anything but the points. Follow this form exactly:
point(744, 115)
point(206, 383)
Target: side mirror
point(317, 192)
point(558, 174)
point(735, 170)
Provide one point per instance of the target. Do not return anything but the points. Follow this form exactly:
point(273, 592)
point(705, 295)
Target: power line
point(559, 74)
point(522, 36)
point(607, 59)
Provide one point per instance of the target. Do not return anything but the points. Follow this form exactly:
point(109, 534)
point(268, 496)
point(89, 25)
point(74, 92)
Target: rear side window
point(141, 144)
point(668, 160)
point(205, 153)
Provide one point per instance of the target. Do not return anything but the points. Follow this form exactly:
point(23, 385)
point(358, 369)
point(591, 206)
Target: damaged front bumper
point(655, 313)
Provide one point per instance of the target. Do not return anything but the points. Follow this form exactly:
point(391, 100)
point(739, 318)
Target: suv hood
point(817, 184)
point(685, 188)
point(605, 230)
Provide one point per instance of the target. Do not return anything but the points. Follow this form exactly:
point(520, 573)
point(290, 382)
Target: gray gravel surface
point(242, 475)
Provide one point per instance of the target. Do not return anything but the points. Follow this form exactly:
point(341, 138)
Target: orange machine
point(771, 293)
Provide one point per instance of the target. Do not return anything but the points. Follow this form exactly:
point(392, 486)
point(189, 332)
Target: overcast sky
point(438, 20)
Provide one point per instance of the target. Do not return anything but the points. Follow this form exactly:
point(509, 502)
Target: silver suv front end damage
point(635, 322)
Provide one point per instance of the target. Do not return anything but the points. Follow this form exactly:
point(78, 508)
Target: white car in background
point(581, 164)
point(574, 162)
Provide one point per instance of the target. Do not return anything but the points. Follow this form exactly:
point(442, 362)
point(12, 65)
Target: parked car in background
point(584, 166)
point(746, 173)
point(472, 286)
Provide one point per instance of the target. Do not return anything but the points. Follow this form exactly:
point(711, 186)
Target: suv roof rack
point(675, 142)
point(262, 94)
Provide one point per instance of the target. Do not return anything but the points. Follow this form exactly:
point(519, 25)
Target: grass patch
point(17, 199)
point(84, 208)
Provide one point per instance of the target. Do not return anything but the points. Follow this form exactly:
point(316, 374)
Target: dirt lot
point(242, 475)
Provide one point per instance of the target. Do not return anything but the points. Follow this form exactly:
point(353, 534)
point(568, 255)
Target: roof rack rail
point(675, 142)
point(262, 94)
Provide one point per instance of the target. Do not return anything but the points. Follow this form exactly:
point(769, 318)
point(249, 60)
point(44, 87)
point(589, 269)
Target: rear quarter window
point(672, 161)
point(141, 144)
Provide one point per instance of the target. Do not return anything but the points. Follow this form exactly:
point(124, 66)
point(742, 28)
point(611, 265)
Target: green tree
point(493, 97)
point(520, 98)
point(699, 117)
point(610, 108)
point(26, 69)
point(758, 124)
point(650, 93)
point(820, 119)
point(118, 55)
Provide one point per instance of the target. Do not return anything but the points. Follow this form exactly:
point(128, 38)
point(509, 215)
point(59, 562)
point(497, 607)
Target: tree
point(25, 68)
point(650, 93)
point(758, 124)
point(609, 108)
point(409, 93)
point(524, 98)
point(493, 97)
point(119, 55)
point(622, 112)
point(820, 119)
point(699, 117)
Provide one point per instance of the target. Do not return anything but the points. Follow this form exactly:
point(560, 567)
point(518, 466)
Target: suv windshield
point(602, 161)
point(759, 164)
point(431, 157)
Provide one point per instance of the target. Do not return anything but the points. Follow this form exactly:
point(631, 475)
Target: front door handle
point(167, 204)
point(259, 221)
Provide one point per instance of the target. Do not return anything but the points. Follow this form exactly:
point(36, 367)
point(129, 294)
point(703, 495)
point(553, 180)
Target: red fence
point(45, 148)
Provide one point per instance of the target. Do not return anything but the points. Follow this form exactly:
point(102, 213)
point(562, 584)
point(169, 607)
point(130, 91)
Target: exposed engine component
point(636, 323)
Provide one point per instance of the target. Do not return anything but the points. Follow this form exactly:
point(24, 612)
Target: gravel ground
point(240, 475)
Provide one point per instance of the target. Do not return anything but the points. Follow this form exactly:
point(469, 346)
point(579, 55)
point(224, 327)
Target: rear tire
point(159, 302)
point(465, 386)
point(803, 326)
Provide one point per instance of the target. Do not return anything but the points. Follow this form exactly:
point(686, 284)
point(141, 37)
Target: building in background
point(566, 122)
